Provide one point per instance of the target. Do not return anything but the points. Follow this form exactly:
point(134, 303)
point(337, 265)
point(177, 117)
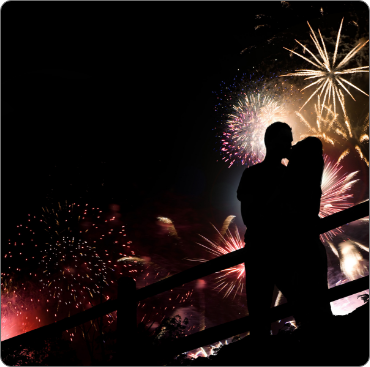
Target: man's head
point(278, 139)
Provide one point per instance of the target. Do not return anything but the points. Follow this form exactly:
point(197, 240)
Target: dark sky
point(112, 102)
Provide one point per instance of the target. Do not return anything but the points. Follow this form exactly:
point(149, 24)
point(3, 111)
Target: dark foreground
point(343, 343)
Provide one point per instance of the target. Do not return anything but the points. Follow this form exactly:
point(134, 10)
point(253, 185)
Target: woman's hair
point(307, 160)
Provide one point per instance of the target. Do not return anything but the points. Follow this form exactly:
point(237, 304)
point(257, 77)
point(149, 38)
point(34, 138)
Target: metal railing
point(128, 297)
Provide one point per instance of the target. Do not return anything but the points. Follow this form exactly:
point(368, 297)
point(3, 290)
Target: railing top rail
point(229, 329)
point(222, 262)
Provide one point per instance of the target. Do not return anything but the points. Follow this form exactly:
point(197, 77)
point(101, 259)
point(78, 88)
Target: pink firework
point(246, 125)
point(229, 280)
point(335, 193)
point(69, 255)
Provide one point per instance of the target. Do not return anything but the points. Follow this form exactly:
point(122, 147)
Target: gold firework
point(325, 119)
point(355, 136)
point(328, 76)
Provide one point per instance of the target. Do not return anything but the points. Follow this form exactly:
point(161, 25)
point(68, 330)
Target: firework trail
point(328, 76)
point(171, 228)
point(132, 260)
point(354, 137)
point(278, 298)
point(335, 187)
point(226, 224)
point(327, 123)
point(324, 121)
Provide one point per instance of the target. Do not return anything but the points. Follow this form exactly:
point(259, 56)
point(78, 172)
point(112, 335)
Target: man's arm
point(242, 190)
point(246, 197)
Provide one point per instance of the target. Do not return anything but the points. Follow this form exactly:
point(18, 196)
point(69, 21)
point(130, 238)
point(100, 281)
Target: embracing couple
point(280, 207)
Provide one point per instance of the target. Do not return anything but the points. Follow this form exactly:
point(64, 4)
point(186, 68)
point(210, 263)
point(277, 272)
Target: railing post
point(126, 320)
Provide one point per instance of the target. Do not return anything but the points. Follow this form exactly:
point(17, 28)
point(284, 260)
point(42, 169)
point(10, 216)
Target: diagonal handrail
point(229, 329)
point(212, 266)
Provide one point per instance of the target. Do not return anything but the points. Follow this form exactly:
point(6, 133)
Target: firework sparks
point(361, 246)
point(70, 266)
point(247, 107)
point(325, 119)
point(328, 76)
point(72, 272)
point(74, 266)
point(327, 123)
point(246, 126)
point(335, 194)
point(231, 280)
point(355, 137)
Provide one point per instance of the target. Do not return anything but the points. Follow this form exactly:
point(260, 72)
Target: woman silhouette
point(305, 170)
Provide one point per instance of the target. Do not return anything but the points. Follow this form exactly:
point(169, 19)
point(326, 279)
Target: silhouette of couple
point(280, 206)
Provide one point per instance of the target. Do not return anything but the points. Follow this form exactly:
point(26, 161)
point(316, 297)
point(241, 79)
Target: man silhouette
point(262, 209)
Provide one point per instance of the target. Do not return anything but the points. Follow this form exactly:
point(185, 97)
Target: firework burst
point(229, 280)
point(64, 253)
point(335, 187)
point(246, 126)
point(73, 273)
point(247, 107)
point(328, 75)
point(76, 268)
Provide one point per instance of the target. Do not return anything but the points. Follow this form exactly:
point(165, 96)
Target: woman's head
point(306, 157)
point(307, 148)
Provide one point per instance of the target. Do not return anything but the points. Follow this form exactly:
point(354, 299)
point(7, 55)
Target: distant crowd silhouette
point(280, 207)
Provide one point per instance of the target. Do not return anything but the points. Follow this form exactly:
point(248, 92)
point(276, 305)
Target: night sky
point(120, 95)
point(114, 103)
